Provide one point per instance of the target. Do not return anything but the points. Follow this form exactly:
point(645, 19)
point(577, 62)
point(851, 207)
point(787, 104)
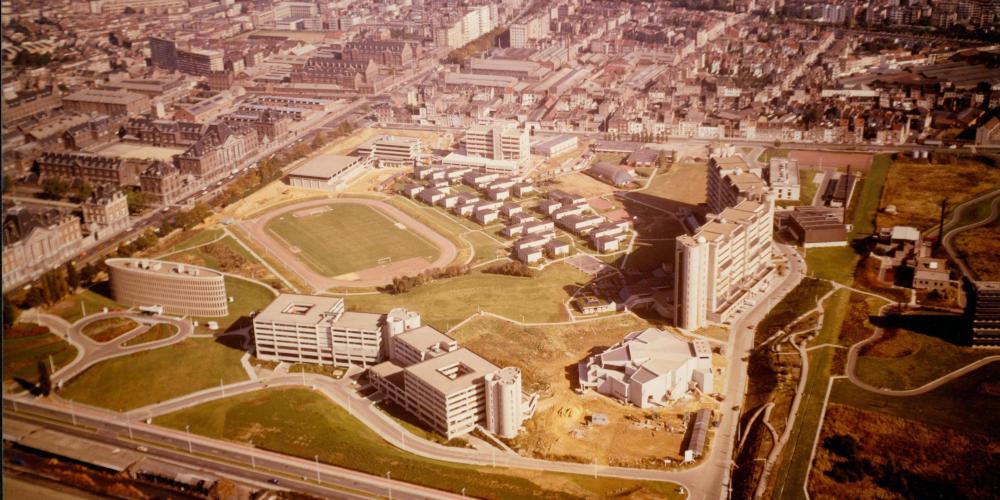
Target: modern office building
point(724, 264)
point(315, 329)
point(391, 151)
point(178, 288)
point(449, 388)
point(200, 62)
point(648, 368)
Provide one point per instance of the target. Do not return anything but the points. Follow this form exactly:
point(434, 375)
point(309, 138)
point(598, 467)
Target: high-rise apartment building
point(730, 180)
point(498, 141)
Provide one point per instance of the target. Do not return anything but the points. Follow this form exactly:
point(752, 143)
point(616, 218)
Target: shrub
point(512, 268)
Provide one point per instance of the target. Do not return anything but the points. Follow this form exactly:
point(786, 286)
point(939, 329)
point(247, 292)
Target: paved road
point(91, 352)
point(238, 460)
point(256, 228)
point(950, 232)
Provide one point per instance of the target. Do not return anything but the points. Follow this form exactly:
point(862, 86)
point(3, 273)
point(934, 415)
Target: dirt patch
point(388, 271)
point(311, 211)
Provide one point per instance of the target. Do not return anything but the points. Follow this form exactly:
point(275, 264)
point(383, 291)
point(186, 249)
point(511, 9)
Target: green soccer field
point(349, 238)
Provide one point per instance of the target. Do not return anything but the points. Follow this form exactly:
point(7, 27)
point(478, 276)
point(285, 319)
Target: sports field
point(344, 238)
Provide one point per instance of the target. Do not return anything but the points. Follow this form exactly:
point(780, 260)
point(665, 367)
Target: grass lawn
point(441, 222)
point(93, 300)
point(247, 297)
point(903, 359)
point(348, 238)
point(22, 354)
point(832, 263)
point(916, 189)
point(191, 239)
point(485, 247)
point(108, 329)
point(865, 203)
point(149, 377)
point(304, 423)
point(808, 189)
point(444, 304)
point(968, 404)
point(156, 332)
point(684, 184)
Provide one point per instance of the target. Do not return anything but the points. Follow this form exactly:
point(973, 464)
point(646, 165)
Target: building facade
point(498, 141)
point(107, 102)
point(94, 169)
point(178, 288)
point(35, 241)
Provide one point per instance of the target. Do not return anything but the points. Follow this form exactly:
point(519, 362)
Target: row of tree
point(511, 268)
point(403, 284)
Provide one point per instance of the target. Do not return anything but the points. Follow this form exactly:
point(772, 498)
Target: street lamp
point(388, 476)
point(187, 429)
point(316, 457)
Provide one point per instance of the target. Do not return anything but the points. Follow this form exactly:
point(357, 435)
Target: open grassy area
point(832, 263)
point(345, 238)
point(156, 375)
point(970, 403)
point(191, 239)
point(247, 297)
point(93, 300)
point(445, 303)
point(21, 354)
point(156, 332)
point(903, 359)
point(485, 247)
point(305, 424)
point(224, 255)
point(979, 248)
point(917, 188)
point(684, 184)
point(865, 203)
point(108, 329)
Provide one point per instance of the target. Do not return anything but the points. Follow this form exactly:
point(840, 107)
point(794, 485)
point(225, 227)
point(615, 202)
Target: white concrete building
point(783, 176)
point(498, 141)
point(449, 388)
point(649, 368)
point(326, 172)
point(391, 151)
point(315, 329)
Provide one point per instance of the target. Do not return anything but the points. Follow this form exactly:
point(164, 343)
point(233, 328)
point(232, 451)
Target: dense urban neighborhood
point(501, 249)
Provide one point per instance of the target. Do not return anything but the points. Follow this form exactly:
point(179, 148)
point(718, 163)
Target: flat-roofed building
point(498, 141)
point(178, 288)
point(648, 368)
point(107, 102)
point(449, 388)
point(327, 172)
point(555, 146)
point(723, 264)
point(200, 62)
point(527, 71)
point(817, 227)
point(730, 180)
point(783, 177)
point(315, 329)
point(391, 151)
point(984, 309)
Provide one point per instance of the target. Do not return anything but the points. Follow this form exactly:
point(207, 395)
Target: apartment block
point(498, 141)
point(723, 265)
point(391, 151)
point(730, 180)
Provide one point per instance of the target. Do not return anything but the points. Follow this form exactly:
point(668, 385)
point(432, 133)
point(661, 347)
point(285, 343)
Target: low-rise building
point(35, 241)
point(177, 288)
point(327, 172)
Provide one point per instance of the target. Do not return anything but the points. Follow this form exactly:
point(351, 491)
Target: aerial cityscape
point(671, 249)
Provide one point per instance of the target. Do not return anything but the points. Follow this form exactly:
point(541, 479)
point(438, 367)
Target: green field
point(156, 332)
point(967, 404)
point(929, 358)
point(349, 238)
point(108, 329)
point(149, 377)
point(306, 424)
point(832, 263)
point(444, 304)
point(93, 300)
point(866, 202)
point(21, 355)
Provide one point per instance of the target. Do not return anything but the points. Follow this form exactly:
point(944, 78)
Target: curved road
point(956, 215)
point(256, 228)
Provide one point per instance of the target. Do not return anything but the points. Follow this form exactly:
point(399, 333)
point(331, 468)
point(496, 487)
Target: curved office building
point(178, 288)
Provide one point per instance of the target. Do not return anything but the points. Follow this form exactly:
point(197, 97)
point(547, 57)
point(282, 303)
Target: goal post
point(384, 260)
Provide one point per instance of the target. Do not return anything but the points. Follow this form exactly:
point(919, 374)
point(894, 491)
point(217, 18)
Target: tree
point(44, 379)
point(55, 188)
point(10, 312)
point(88, 274)
point(138, 201)
point(777, 143)
point(82, 192)
point(72, 276)
point(35, 297)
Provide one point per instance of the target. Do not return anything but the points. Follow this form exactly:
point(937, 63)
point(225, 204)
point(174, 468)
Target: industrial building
point(816, 227)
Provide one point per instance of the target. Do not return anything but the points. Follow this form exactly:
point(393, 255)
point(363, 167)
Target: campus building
point(648, 368)
point(178, 288)
point(449, 388)
point(106, 102)
point(498, 141)
point(90, 168)
point(106, 213)
point(314, 329)
point(730, 180)
point(326, 172)
point(391, 151)
point(724, 264)
point(783, 177)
